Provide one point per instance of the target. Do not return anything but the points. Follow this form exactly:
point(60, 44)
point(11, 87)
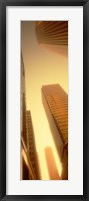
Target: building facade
point(28, 171)
point(53, 35)
point(31, 146)
point(55, 101)
point(24, 160)
point(23, 104)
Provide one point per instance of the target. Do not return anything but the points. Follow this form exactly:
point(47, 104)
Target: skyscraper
point(53, 35)
point(51, 164)
point(28, 168)
point(24, 160)
point(31, 146)
point(55, 101)
point(23, 104)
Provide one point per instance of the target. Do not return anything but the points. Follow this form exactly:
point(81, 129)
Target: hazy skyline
point(42, 67)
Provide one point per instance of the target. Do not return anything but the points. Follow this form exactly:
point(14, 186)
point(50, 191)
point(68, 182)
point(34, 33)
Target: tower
point(53, 35)
point(55, 101)
point(28, 167)
point(31, 146)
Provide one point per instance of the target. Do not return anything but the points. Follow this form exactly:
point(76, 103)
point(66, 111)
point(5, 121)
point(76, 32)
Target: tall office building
point(51, 164)
point(24, 160)
point(53, 35)
point(55, 101)
point(31, 146)
point(28, 172)
point(23, 104)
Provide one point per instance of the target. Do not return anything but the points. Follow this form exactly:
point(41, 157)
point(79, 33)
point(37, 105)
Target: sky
point(42, 67)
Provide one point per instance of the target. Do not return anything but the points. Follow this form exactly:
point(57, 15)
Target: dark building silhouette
point(28, 167)
point(24, 166)
point(26, 170)
point(23, 104)
point(32, 146)
point(55, 101)
point(51, 164)
point(53, 35)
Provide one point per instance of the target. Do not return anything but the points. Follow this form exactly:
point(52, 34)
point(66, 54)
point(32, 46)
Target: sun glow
point(42, 67)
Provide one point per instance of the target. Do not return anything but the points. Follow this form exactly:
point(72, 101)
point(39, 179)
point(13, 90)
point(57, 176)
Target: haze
point(42, 67)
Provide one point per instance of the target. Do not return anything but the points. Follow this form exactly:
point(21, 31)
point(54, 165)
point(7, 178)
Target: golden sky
point(42, 67)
